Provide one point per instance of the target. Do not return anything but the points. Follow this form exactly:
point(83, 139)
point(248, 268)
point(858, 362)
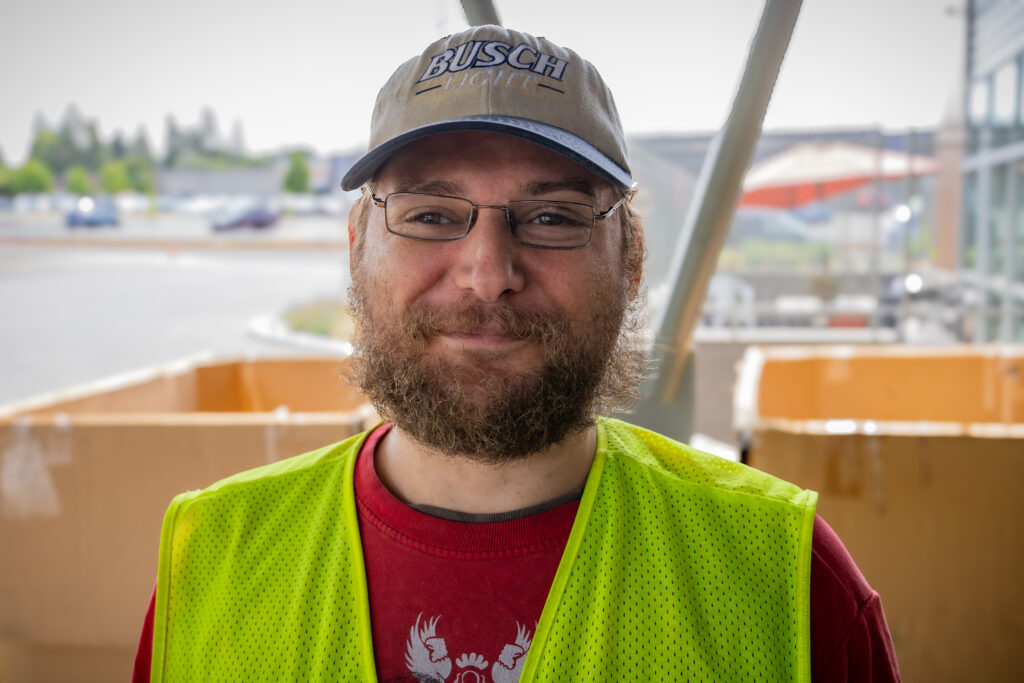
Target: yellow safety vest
point(680, 567)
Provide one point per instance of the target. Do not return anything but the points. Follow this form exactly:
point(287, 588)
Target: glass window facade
point(977, 115)
point(1017, 275)
point(999, 220)
point(1005, 82)
point(992, 225)
point(1018, 241)
point(1018, 127)
point(969, 226)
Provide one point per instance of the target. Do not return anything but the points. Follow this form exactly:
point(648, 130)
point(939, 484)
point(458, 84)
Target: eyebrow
point(430, 187)
point(537, 187)
point(574, 184)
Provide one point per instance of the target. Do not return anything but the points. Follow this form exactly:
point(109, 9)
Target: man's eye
point(555, 217)
point(432, 217)
point(549, 219)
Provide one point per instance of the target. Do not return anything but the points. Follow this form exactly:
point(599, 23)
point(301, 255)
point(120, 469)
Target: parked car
point(245, 216)
point(92, 212)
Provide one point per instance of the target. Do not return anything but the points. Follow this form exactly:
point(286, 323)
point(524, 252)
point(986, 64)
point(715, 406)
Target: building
point(992, 237)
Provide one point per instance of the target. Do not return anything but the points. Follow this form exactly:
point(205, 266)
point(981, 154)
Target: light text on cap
point(478, 54)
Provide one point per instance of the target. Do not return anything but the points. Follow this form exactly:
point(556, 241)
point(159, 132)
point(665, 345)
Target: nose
point(489, 258)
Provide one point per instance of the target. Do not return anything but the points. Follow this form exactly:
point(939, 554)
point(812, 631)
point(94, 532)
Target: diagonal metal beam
point(665, 405)
point(480, 12)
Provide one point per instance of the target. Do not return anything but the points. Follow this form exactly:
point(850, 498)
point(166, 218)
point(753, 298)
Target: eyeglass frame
point(471, 218)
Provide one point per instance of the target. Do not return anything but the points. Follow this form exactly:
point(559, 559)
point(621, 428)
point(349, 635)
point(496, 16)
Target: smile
point(483, 339)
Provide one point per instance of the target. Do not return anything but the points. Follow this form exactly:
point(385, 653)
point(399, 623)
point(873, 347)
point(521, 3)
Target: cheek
point(582, 288)
point(391, 272)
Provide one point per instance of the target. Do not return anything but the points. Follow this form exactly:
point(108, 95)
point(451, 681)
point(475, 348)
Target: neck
point(420, 475)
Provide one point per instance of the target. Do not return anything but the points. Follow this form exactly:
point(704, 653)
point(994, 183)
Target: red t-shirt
point(452, 599)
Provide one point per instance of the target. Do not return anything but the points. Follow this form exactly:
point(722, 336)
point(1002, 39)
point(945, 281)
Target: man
point(492, 529)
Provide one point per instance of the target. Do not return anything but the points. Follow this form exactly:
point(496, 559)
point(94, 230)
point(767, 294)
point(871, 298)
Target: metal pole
point(875, 278)
point(1006, 331)
point(911, 190)
point(480, 12)
point(708, 219)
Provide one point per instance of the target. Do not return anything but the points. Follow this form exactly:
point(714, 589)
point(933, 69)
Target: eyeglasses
point(541, 223)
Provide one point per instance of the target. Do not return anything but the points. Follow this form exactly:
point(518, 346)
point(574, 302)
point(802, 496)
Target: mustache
point(421, 322)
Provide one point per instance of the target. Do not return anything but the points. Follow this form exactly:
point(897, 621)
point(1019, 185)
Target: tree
point(139, 148)
point(95, 152)
point(297, 178)
point(50, 149)
point(114, 177)
point(118, 148)
point(78, 180)
point(140, 175)
point(5, 178)
point(172, 142)
point(34, 176)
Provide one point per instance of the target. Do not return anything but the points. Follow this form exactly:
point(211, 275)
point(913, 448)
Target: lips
point(486, 331)
point(496, 322)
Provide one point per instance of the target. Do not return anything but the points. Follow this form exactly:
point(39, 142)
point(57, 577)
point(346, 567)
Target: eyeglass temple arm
point(628, 197)
point(373, 198)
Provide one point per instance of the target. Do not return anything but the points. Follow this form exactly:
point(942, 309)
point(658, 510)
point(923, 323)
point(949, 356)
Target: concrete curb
point(180, 245)
point(272, 328)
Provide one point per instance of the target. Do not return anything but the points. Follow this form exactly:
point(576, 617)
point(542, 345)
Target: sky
point(304, 73)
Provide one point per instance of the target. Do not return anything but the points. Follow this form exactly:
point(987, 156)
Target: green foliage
point(97, 152)
point(772, 254)
point(327, 317)
point(297, 178)
point(79, 181)
point(118, 148)
point(48, 148)
point(5, 177)
point(139, 149)
point(60, 150)
point(114, 177)
point(920, 245)
point(140, 175)
point(34, 176)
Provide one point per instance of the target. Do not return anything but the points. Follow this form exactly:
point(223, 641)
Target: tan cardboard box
point(86, 477)
point(916, 455)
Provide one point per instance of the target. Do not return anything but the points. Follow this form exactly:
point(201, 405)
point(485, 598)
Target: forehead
point(474, 161)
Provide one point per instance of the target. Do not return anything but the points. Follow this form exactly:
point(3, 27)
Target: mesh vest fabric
point(680, 566)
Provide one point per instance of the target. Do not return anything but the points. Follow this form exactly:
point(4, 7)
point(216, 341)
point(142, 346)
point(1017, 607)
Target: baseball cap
point(491, 78)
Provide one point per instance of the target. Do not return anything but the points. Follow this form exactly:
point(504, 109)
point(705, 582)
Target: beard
point(469, 408)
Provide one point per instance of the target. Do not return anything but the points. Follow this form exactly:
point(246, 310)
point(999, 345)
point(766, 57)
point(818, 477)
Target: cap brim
point(551, 137)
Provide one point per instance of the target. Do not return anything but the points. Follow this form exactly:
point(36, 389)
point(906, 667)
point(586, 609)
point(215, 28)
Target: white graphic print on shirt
point(428, 659)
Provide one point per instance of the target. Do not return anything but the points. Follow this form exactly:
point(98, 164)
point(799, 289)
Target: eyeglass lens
point(535, 222)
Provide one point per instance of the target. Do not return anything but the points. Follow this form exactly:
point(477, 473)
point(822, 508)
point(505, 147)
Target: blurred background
point(173, 274)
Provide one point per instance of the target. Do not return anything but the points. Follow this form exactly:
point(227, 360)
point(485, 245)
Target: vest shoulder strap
point(680, 566)
point(262, 576)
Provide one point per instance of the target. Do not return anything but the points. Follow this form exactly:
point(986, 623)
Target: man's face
point(483, 346)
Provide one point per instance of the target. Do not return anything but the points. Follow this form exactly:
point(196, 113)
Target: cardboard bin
point(916, 454)
point(87, 474)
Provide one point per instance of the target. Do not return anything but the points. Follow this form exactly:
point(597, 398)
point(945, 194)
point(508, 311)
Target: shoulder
point(687, 466)
point(850, 638)
point(837, 574)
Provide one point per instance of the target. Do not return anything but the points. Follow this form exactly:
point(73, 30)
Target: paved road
point(161, 229)
point(73, 314)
